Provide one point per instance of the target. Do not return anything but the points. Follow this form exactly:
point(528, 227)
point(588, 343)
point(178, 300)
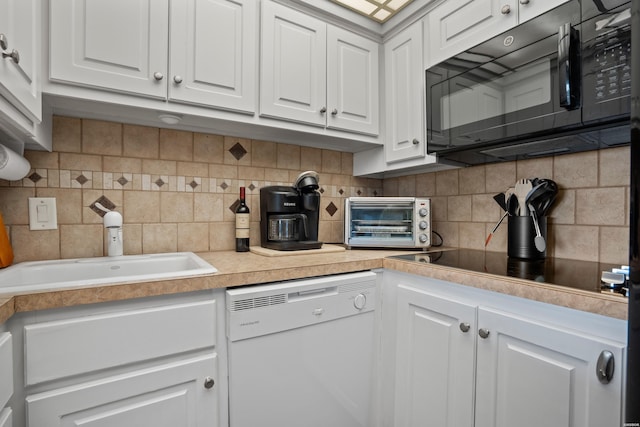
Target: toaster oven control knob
point(423, 225)
point(422, 238)
point(423, 212)
point(360, 301)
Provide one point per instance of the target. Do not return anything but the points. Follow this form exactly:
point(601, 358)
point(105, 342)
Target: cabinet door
point(293, 65)
point(213, 53)
point(404, 76)
point(6, 417)
point(20, 26)
point(118, 45)
point(6, 368)
point(532, 374)
point(352, 82)
point(435, 360)
point(457, 25)
point(164, 396)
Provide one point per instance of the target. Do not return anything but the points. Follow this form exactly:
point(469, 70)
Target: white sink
point(73, 273)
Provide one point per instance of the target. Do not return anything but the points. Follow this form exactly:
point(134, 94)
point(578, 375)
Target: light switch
point(42, 213)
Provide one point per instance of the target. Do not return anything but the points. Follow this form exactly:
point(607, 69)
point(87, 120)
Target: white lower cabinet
point(176, 394)
point(488, 360)
point(6, 378)
point(151, 362)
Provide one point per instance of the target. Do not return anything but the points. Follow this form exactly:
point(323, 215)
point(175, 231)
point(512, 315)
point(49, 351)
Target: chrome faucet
point(113, 223)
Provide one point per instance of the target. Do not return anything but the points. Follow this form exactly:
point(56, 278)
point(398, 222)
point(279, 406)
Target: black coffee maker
point(289, 216)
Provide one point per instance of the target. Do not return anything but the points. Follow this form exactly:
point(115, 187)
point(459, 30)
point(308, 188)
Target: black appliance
point(290, 216)
point(632, 411)
point(558, 83)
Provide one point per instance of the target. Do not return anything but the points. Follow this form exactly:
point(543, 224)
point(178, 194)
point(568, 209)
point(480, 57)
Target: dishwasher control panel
point(264, 309)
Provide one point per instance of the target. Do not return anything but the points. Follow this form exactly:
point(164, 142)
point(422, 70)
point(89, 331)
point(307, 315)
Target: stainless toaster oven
point(393, 222)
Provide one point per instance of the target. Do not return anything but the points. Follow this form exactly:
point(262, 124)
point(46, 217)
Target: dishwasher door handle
point(312, 293)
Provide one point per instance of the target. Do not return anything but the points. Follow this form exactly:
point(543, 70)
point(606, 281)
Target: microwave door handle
point(568, 67)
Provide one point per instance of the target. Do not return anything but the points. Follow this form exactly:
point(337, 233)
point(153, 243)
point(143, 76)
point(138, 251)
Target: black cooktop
point(565, 272)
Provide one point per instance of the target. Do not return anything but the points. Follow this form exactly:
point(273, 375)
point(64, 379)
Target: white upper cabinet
point(352, 82)
point(119, 45)
point(20, 33)
point(404, 89)
point(317, 74)
point(192, 51)
point(213, 53)
point(456, 25)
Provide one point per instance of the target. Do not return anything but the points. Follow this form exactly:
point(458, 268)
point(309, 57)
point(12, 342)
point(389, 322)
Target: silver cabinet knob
point(464, 327)
point(605, 367)
point(415, 141)
point(177, 79)
point(4, 43)
point(158, 75)
point(14, 55)
point(323, 110)
point(208, 383)
point(506, 9)
point(524, 1)
point(484, 333)
point(334, 112)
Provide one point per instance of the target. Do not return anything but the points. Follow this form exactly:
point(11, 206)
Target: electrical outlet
point(42, 213)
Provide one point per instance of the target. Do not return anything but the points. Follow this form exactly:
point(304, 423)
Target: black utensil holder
point(521, 235)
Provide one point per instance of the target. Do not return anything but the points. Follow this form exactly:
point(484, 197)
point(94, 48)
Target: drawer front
point(6, 369)
point(62, 348)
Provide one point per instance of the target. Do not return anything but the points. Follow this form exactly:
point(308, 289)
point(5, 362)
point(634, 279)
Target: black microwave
point(558, 83)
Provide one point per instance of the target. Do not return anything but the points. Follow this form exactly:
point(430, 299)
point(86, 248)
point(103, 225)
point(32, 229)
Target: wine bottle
point(242, 224)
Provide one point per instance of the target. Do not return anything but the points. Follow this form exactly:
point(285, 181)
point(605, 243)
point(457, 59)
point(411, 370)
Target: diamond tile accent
point(104, 202)
point(82, 179)
point(159, 182)
point(123, 181)
point(35, 177)
point(193, 184)
point(321, 191)
point(237, 151)
point(375, 193)
point(341, 191)
point(252, 187)
point(331, 209)
point(234, 206)
point(224, 186)
point(359, 192)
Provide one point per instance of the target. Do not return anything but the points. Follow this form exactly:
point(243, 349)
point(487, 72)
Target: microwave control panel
point(612, 57)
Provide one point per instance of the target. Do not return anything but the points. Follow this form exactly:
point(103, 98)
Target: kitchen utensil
point(523, 186)
point(6, 252)
point(501, 200)
point(538, 241)
point(512, 205)
point(486, 242)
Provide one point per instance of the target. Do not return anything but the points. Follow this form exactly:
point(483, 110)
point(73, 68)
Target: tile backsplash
point(589, 220)
point(176, 190)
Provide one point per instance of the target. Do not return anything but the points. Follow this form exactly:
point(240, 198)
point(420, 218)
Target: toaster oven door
point(381, 224)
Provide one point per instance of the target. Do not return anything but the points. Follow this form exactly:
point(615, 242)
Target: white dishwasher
point(301, 352)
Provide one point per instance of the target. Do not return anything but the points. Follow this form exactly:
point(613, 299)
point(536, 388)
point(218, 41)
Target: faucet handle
point(112, 219)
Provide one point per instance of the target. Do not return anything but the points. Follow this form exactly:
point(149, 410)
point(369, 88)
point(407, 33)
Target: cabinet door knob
point(14, 55)
point(484, 333)
point(208, 383)
point(4, 43)
point(506, 9)
point(158, 75)
point(177, 79)
point(323, 110)
point(605, 367)
point(524, 1)
point(415, 141)
point(334, 112)
point(464, 327)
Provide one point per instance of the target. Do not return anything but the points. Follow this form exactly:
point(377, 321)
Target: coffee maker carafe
point(289, 216)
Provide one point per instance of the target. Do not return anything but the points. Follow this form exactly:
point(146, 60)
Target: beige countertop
point(236, 269)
